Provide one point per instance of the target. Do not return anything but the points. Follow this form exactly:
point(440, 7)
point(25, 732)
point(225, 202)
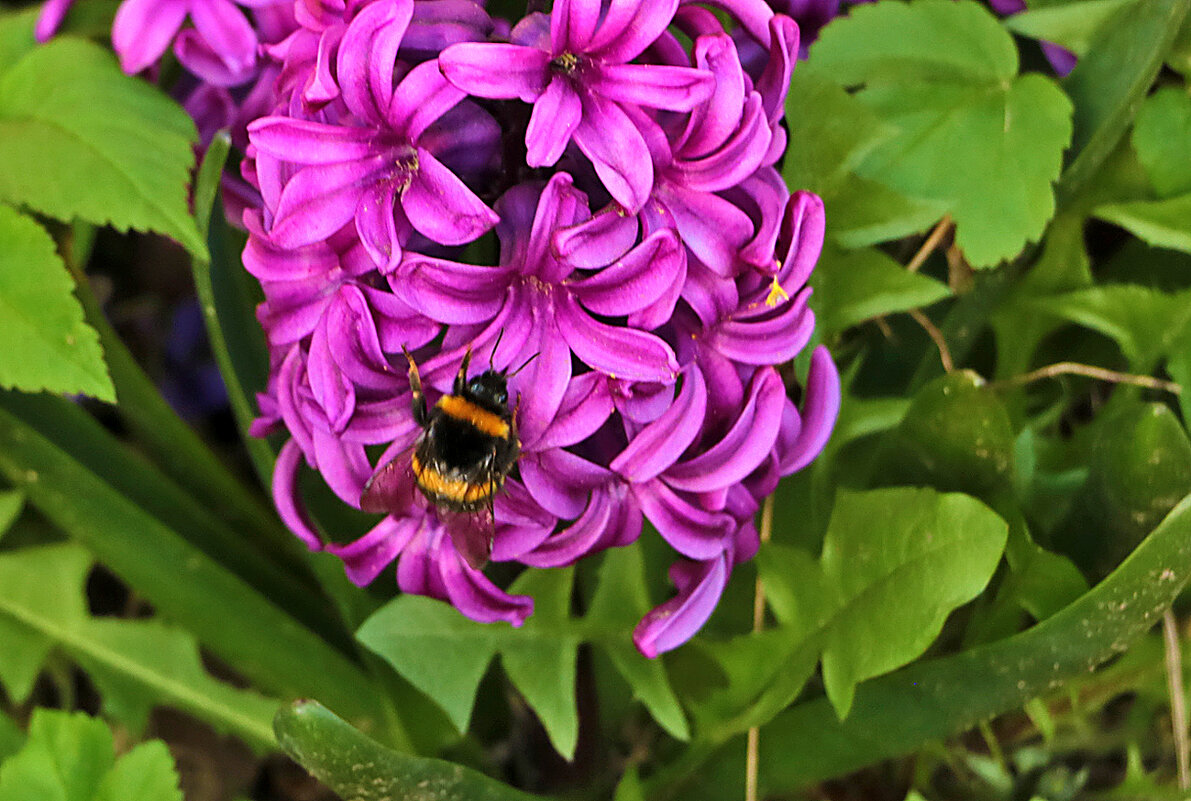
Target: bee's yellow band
point(484, 420)
point(452, 489)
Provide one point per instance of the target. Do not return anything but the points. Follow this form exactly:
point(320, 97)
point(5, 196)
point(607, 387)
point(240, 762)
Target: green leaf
point(360, 769)
point(445, 655)
point(266, 644)
point(629, 788)
point(1160, 134)
point(45, 344)
point(11, 738)
point(1144, 322)
point(1109, 83)
point(11, 504)
point(859, 285)
point(70, 757)
point(137, 664)
point(67, 113)
point(955, 436)
point(864, 212)
point(899, 581)
point(933, 700)
point(620, 600)
point(1163, 223)
point(945, 74)
point(1072, 25)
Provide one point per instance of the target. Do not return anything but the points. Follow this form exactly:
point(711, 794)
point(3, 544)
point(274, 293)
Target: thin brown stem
point(753, 743)
point(1088, 371)
point(941, 229)
point(936, 336)
point(1178, 702)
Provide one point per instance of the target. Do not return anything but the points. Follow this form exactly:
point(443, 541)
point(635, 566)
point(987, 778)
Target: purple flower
point(582, 85)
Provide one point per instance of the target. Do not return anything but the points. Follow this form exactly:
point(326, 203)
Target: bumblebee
point(459, 462)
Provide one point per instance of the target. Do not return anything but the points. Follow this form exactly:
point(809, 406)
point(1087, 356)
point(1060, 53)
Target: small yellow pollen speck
point(776, 294)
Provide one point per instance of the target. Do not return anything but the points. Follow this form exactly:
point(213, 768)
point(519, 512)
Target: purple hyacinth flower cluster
point(648, 265)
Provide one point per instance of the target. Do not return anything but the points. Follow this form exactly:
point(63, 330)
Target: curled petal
point(601, 240)
point(51, 16)
point(585, 407)
point(321, 199)
point(451, 292)
point(420, 99)
point(662, 442)
point(577, 539)
point(376, 224)
point(143, 29)
point(367, 55)
point(366, 557)
point(475, 596)
point(288, 499)
point(228, 33)
point(771, 339)
point(803, 228)
point(763, 196)
point(745, 445)
point(343, 464)
point(819, 413)
point(559, 205)
point(637, 279)
point(521, 524)
point(670, 625)
point(630, 26)
point(736, 159)
point(711, 123)
point(560, 481)
point(774, 82)
point(654, 85)
point(714, 229)
point(306, 142)
point(539, 390)
point(499, 71)
point(753, 15)
point(619, 352)
point(441, 207)
point(617, 150)
point(572, 23)
point(555, 117)
point(691, 530)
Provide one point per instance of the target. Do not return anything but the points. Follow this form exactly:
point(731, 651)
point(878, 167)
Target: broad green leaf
point(899, 580)
point(1140, 468)
point(1163, 223)
point(265, 644)
point(67, 113)
point(1071, 25)
point(44, 343)
point(1144, 322)
point(70, 757)
point(360, 769)
point(137, 664)
point(619, 602)
point(65, 757)
point(955, 436)
point(864, 212)
point(1160, 135)
point(859, 285)
point(1179, 57)
point(1110, 82)
point(629, 788)
point(16, 36)
point(445, 655)
point(971, 133)
point(896, 714)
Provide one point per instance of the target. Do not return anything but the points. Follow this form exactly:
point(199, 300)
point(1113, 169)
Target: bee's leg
point(421, 414)
point(461, 376)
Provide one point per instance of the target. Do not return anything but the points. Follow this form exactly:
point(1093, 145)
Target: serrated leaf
point(864, 212)
point(859, 285)
point(44, 343)
point(1160, 135)
point(899, 581)
point(70, 757)
point(1162, 223)
point(972, 134)
point(68, 114)
point(139, 664)
point(360, 769)
point(1072, 25)
point(1146, 323)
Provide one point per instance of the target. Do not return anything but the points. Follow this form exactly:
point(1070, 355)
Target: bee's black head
point(489, 389)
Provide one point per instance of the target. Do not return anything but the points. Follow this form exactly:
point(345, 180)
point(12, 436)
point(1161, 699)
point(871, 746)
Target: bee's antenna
point(492, 356)
point(525, 364)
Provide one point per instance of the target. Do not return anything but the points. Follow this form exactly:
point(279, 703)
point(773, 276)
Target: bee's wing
point(393, 488)
point(471, 533)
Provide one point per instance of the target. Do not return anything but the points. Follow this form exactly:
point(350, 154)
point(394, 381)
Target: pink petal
point(617, 151)
point(689, 529)
point(451, 292)
point(367, 55)
point(619, 352)
point(636, 280)
point(711, 123)
point(629, 27)
point(572, 22)
point(287, 497)
point(420, 99)
point(143, 29)
point(555, 117)
point(714, 229)
point(321, 199)
point(819, 412)
point(654, 85)
point(676, 621)
point(662, 442)
point(736, 159)
point(500, 71)
point(441, 207)
point(224, 27)
point(366, 557)
point(601, 240)
point(307, 142)
point(577, 539)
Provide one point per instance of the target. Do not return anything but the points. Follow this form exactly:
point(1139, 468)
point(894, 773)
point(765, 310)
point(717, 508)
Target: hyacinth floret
point(619, 161)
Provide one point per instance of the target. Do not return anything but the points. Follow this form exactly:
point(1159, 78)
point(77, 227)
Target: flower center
point(565, 63)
